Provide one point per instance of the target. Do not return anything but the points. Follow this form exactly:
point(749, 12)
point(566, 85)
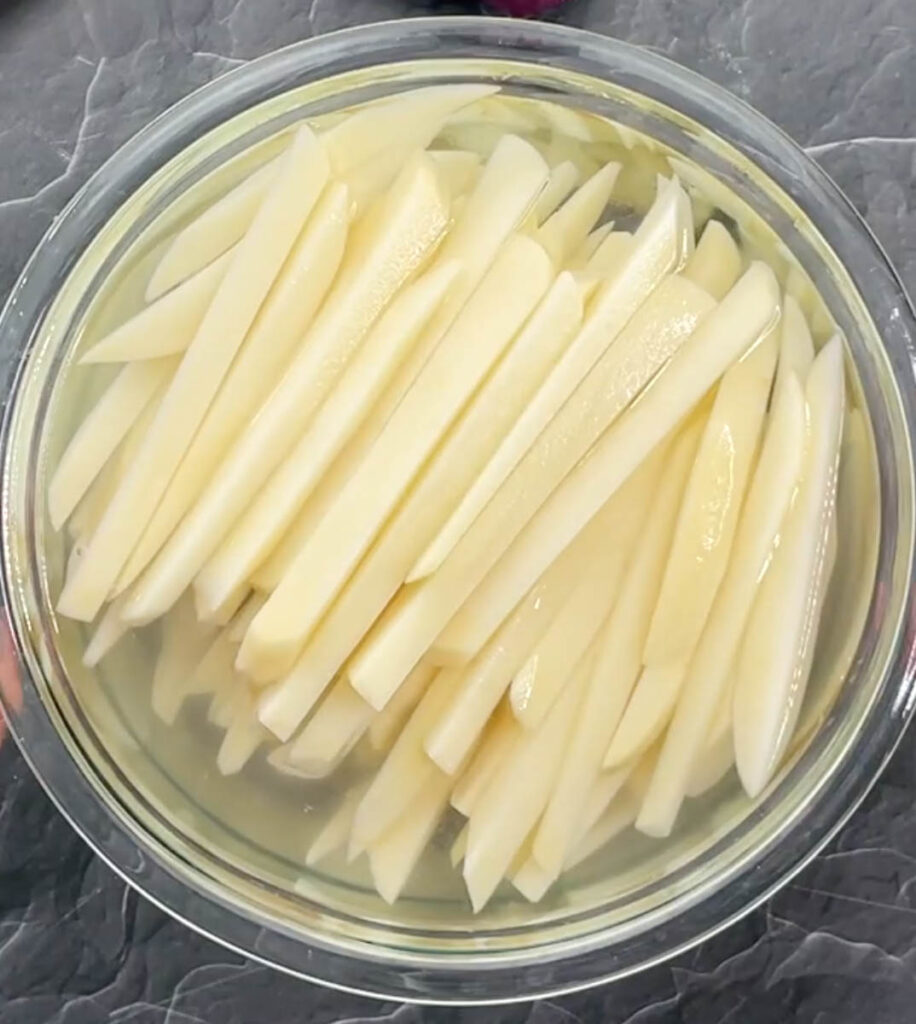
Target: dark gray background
point(77, 78)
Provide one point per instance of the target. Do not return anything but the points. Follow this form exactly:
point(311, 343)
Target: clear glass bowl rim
point(376, 45)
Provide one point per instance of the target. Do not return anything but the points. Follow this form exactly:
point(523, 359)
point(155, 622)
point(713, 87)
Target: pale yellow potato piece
point(611, 253)
point(395, 243)
point(657, 248)
point(618, 656)
point(182, 645)
point(511, 288)
point(620, 815)
point(212, 232)
point(593, 242)
point(505, 395)
point(770, 491)
point(336, 831)
point(648, 710)
point(330, 734)
point(479, 686)
point(654, 334)
point(775, 657)
point(495, 744)
point(262, 525)
point(511, 804)
point(244, 733)
point(107, 633)
point(566, 229)
point(240, 622)
point(717, 755)
point(412, 119)
point(404, 772)
point(709, 512)
point(295, 296)
point(458, 169)
point(393, 856)
point(104, 428)
point(167, 325)
point(722, 336)
point(254, 266)
point(796, 349)
point(387, 724)
point(716, 262)
point(366, 183)
point(459, 847)
point(563, 179)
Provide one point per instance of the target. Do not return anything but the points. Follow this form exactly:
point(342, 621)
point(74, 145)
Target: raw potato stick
point(657, 248)
point(292, 301)
point(716, 263)
point(709, 513)
point(254, 266)
point(778, 644)
point(722, 336)
point(330, 734)
point(100, 433)
point(408, 225)
point(166, 326)
point(336, 831)
point(419, 614)
point(212, 232)
point(566, 229)
point(499, 738)
point(519, 277)
point(618, 655)
point(387, 724)
point(263, 523)
point(563, 179)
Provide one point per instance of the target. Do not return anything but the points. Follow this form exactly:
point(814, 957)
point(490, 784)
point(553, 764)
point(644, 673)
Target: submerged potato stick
point(254, 266)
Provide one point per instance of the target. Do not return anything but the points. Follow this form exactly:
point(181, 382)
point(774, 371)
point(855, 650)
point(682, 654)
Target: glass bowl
point(228, 862)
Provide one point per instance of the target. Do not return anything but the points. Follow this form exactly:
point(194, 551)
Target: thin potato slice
point(166, 326)
point(254, 266)
point(100, 433)
point(387, 724)
point(393, 857)
point(566, 229)
point(778, 644)
point(510, 290)
point(722, 336)
point(717, 754)
point(769, 494)
point(658, 329)
point(404, 772)
point(410, 222)
point(657, 247)
point(617, 659)
point(244, 734)
point(716, 262)
point(213, 232)
point(330, 734)
point(709, 513)
point(182, 645)
point(257, 532)
point(336, 831)
point(107, 633)
point(509, 807)
point(796, 349)
point(295, 296)
point(648, 710)
point(498, 740)
point(412, 119)
point(563, 179)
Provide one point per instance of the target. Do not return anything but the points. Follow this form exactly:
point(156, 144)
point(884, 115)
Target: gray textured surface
point(77, 77)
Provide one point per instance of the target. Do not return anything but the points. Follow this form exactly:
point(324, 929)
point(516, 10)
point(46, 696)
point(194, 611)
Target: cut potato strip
point(769, 494)
point(617, 658)
point(658, 329)
point(289, 307)
point(511, 288)
point(657, 247)
point(511, 804)
point(459, 847)
point(563, 179)
point(611, 253)
point(404, 772)
point(778, 644)
point(264, 522)
point(244, 734)
point(458, 169)
point(253, 268)
point(100, 433)
point(331, 733)
point(479, 687)
point(387, 724)
point(580, 259)
point(717, 754)
point(107, 633)
point(212, 232)
point(565, 231)
point(723, 335)
point(336, 830)
point(796, 349)
point(499, 738)
point(242, 619)
point(619, 816)
point(393, 857)
point(412, 120)
point(183, 642)
point(167, 325)
point(650, 706)
point(716, 262)
point(709, 512)
point(392, 246)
